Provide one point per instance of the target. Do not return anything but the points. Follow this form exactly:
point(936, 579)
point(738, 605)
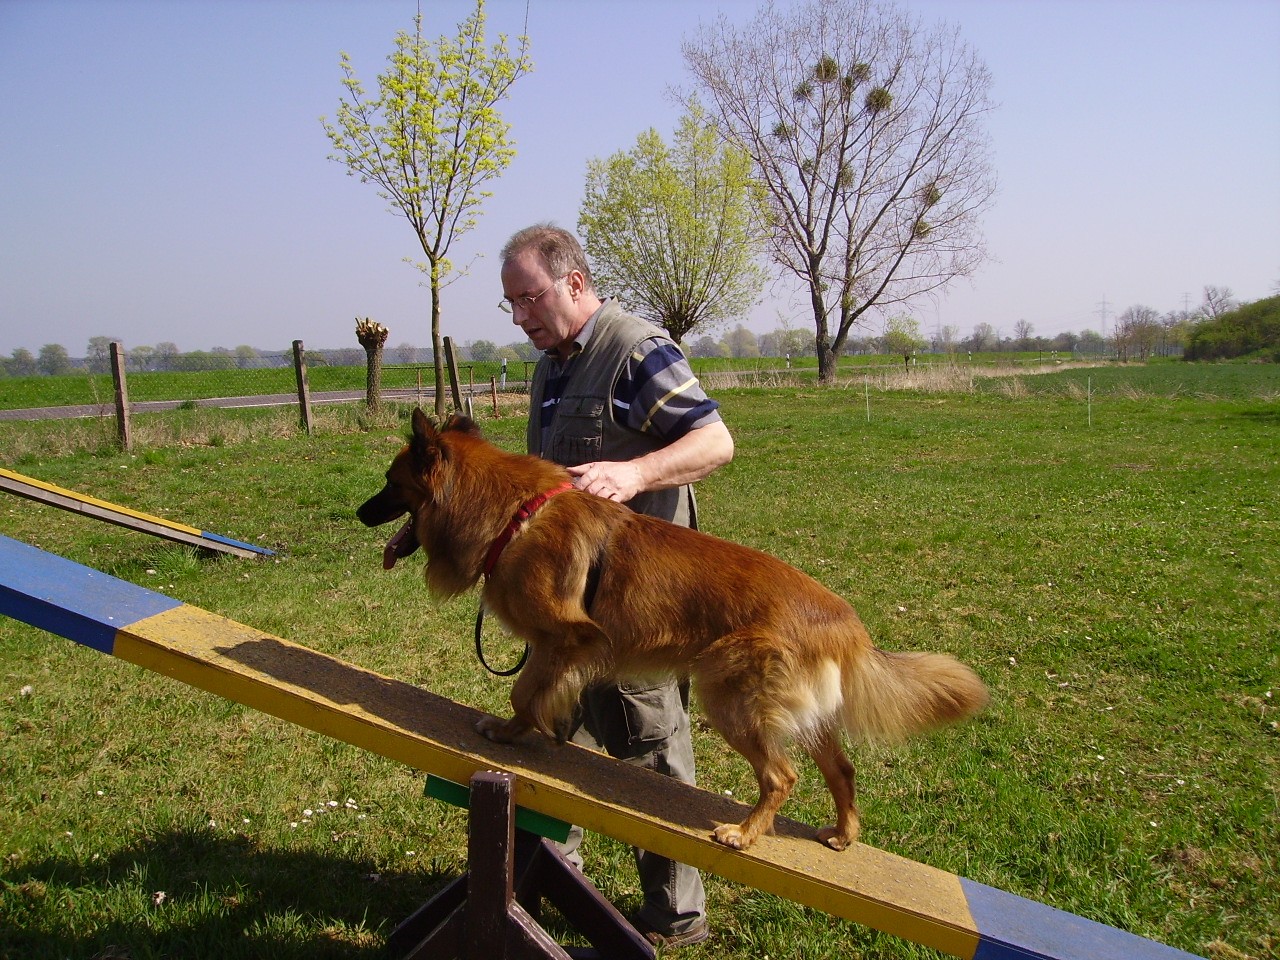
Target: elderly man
point(615, 401)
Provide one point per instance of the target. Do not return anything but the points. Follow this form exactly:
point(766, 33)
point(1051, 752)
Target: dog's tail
point(889, 696)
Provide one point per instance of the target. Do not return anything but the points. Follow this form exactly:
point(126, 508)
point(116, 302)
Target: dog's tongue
point(392, 551)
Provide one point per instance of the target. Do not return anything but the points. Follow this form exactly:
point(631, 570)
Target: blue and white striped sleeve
point(657, 393)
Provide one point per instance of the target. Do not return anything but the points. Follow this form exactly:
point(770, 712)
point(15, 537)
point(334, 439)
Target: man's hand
point(610, 479)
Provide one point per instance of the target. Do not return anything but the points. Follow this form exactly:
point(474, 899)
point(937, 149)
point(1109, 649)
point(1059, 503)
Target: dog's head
point(415, 481)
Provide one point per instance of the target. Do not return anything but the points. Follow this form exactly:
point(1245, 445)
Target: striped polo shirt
point(656, 393)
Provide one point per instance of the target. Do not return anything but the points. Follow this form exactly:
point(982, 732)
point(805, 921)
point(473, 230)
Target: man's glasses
point(509, 304)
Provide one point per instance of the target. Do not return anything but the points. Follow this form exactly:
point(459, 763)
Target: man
point(615, 401)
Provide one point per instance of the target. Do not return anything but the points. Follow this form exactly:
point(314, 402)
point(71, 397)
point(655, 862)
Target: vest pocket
point(577, 436)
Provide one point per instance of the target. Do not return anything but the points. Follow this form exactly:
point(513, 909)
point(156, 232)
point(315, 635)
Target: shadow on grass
point(223, 897)
point(1267, 416)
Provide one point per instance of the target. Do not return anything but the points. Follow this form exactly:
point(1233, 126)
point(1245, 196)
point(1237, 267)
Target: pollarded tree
point(867, 131)
point(373, 337)
point(674, 230)
point(431, 139)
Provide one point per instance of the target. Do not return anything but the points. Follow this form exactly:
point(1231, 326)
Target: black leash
point(480, 649)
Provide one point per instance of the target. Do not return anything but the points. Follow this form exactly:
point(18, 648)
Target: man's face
point(552, 320)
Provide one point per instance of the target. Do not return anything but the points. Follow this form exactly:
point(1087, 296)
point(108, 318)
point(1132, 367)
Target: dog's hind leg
point(775, 776)
point(838, 772)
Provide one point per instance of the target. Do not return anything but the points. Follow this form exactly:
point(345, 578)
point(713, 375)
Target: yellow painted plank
point(436, 735)
point(71, 498)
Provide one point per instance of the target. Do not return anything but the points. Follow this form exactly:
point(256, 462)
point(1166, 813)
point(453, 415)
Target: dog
point(600, 592)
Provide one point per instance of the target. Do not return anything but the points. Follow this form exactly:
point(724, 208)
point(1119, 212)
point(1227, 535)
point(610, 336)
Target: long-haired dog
point(598, 591)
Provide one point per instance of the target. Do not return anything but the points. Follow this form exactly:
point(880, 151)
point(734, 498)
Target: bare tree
point(1137, 333)
point(1217, 301)
point(1022, 331)
point(867, 132)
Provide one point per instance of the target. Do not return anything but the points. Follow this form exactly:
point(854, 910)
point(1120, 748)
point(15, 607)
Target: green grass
point(1114, 582)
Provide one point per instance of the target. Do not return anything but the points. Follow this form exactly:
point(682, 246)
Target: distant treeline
point(1139, 333)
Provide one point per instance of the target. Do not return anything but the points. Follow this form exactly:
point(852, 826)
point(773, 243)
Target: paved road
point(157, 406)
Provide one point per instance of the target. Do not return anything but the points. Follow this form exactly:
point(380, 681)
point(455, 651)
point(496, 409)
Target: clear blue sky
point(164, 174)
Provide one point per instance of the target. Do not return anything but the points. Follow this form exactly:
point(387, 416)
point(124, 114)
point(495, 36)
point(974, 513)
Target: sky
point(164, 174)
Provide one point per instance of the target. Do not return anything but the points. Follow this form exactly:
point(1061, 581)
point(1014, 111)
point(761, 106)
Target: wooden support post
point(491, 912)
point(304, 388)
point(493, 391)
point(123, 428)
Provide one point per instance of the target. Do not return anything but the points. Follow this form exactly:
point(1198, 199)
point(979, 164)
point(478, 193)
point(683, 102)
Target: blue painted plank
point(1015, 928)
point(69, 599)
point(237, 543)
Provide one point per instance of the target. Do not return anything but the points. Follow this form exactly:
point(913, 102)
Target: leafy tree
point(867, 131)
point(673, 230)
point(1253, 329)
point(431, 139)
point(167, 354)
point(21, 363)
point(141, 356)
point(902, 337)
point(53, 360)
point(98, 354)
point(741, 342)
point(705, 347)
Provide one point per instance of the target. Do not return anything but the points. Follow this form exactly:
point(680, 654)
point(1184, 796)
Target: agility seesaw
point(64, 499)
point(430, 733)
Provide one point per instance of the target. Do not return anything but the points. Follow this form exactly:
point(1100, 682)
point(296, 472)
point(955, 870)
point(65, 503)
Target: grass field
point(82, 387)
point(1102, 546)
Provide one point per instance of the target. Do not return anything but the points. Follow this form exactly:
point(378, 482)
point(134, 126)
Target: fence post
point(452, 361)
point(123, 428)
point(304, 389)
point(493, 388)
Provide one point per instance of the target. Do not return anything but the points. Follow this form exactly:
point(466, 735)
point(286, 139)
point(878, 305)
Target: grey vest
point(584, 430)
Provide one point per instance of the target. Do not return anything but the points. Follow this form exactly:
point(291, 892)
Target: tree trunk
point(373, 377)
point(437, 344)
point(372, 337)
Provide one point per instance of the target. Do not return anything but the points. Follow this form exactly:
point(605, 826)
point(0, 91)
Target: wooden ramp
point(65, 499)
point(435, 735)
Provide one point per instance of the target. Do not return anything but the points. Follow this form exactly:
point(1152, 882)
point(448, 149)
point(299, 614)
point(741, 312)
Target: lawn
point(1102, 547)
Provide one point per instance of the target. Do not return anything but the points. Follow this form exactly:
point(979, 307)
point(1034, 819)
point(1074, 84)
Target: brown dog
point(600, 592)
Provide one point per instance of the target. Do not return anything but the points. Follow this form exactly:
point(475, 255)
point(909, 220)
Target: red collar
point(526, 511)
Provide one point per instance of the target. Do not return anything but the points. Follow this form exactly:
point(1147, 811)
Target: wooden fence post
point(304, 389)
point(123, 429)
point(452, 361)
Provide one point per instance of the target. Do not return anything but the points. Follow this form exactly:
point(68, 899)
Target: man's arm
point(694, 456)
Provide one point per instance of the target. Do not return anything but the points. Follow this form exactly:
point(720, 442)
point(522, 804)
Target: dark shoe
point(673, 941)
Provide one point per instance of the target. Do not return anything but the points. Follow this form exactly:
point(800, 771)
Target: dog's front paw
point(498, 730)
point(730, 834)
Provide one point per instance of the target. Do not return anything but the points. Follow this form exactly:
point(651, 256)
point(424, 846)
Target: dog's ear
point(424, 443)
point(422, 425)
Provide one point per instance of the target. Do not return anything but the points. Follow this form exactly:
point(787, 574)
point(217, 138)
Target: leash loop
point(480, 649)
